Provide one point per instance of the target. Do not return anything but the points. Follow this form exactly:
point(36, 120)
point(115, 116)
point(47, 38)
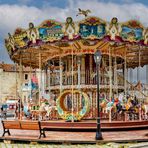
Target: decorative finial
point(83, 12)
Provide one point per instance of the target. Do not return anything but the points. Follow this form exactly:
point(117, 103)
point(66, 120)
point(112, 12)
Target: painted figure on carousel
point(70, 29)
point(114, 28)
point(33, 34)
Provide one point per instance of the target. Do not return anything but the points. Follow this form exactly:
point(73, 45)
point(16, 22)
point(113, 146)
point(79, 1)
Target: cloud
point(13, 16)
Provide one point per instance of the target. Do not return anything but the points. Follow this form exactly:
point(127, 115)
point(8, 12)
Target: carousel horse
point(128, 105)
point(145, 111)
point(115, 106)
point(39, 113)
point(118, 107)
point(107, 106)
point(132, 107)
point(50, 111)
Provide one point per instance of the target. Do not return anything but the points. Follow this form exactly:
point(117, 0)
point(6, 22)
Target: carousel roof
point(52, 39)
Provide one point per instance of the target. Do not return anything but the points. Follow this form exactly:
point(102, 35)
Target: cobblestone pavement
point(108, 145)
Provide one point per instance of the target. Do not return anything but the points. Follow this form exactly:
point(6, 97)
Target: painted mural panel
point(131, 34)
point(132, 31)
point(92, 28)
point(50, 31)
point(92, 31)
point(21, 40)
point(16, 41)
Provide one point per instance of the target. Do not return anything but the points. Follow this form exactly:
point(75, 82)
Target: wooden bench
point(22, 125)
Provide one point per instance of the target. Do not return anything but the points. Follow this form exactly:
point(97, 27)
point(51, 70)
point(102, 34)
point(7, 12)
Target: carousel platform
point(90, 125)
point(83, 132)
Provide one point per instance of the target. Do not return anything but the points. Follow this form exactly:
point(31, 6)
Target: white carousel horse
point(145, 107)
point(49, 110)
point(107, 106)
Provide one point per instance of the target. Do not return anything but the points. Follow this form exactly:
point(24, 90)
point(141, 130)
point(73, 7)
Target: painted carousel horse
point(116, 107)
point(132, 108)
point(126, 105)
point(117, 110)
point(108, 106)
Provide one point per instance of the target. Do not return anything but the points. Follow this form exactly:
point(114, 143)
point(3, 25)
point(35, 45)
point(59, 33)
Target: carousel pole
point(115, 75)
point(131, 79)
point(79, 72)
point(20, 87)
point(30, 74)
point(60, 64)
point(72, 89)
point(138, 68)
point(125, 75)
point(90, 68)
point(110, 81)
point(43, 79)
point(16, 81)
point(79, 80)
point(138, 77)
point(48, 78)
point(39, 78)
point(91, 80)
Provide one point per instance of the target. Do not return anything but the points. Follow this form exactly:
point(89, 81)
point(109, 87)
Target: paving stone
point(140, 145)
point(108, 145)
point(2, 145)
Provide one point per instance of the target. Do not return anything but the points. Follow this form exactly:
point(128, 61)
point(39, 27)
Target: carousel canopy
point(52, 39)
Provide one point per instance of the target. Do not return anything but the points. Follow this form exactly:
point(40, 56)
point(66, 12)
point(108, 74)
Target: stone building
point(10, 82)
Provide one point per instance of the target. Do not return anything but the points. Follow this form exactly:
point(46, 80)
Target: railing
point(86, 78)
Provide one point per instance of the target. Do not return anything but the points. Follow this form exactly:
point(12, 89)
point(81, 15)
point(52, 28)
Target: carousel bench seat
point(22, 125)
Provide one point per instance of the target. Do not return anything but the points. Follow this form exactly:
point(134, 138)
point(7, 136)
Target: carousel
point(63, 53)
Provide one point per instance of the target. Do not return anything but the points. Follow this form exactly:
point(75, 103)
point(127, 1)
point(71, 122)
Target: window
point(26, 76)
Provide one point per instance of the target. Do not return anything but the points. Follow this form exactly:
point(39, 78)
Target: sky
point(18, 13)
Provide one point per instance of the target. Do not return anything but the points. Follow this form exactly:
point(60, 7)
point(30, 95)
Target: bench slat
point(11, 124)
point(27, 125)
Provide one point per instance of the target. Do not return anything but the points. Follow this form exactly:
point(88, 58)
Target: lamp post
point(97, 58)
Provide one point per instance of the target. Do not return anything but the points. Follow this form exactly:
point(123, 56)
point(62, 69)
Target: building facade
point(10, 82)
